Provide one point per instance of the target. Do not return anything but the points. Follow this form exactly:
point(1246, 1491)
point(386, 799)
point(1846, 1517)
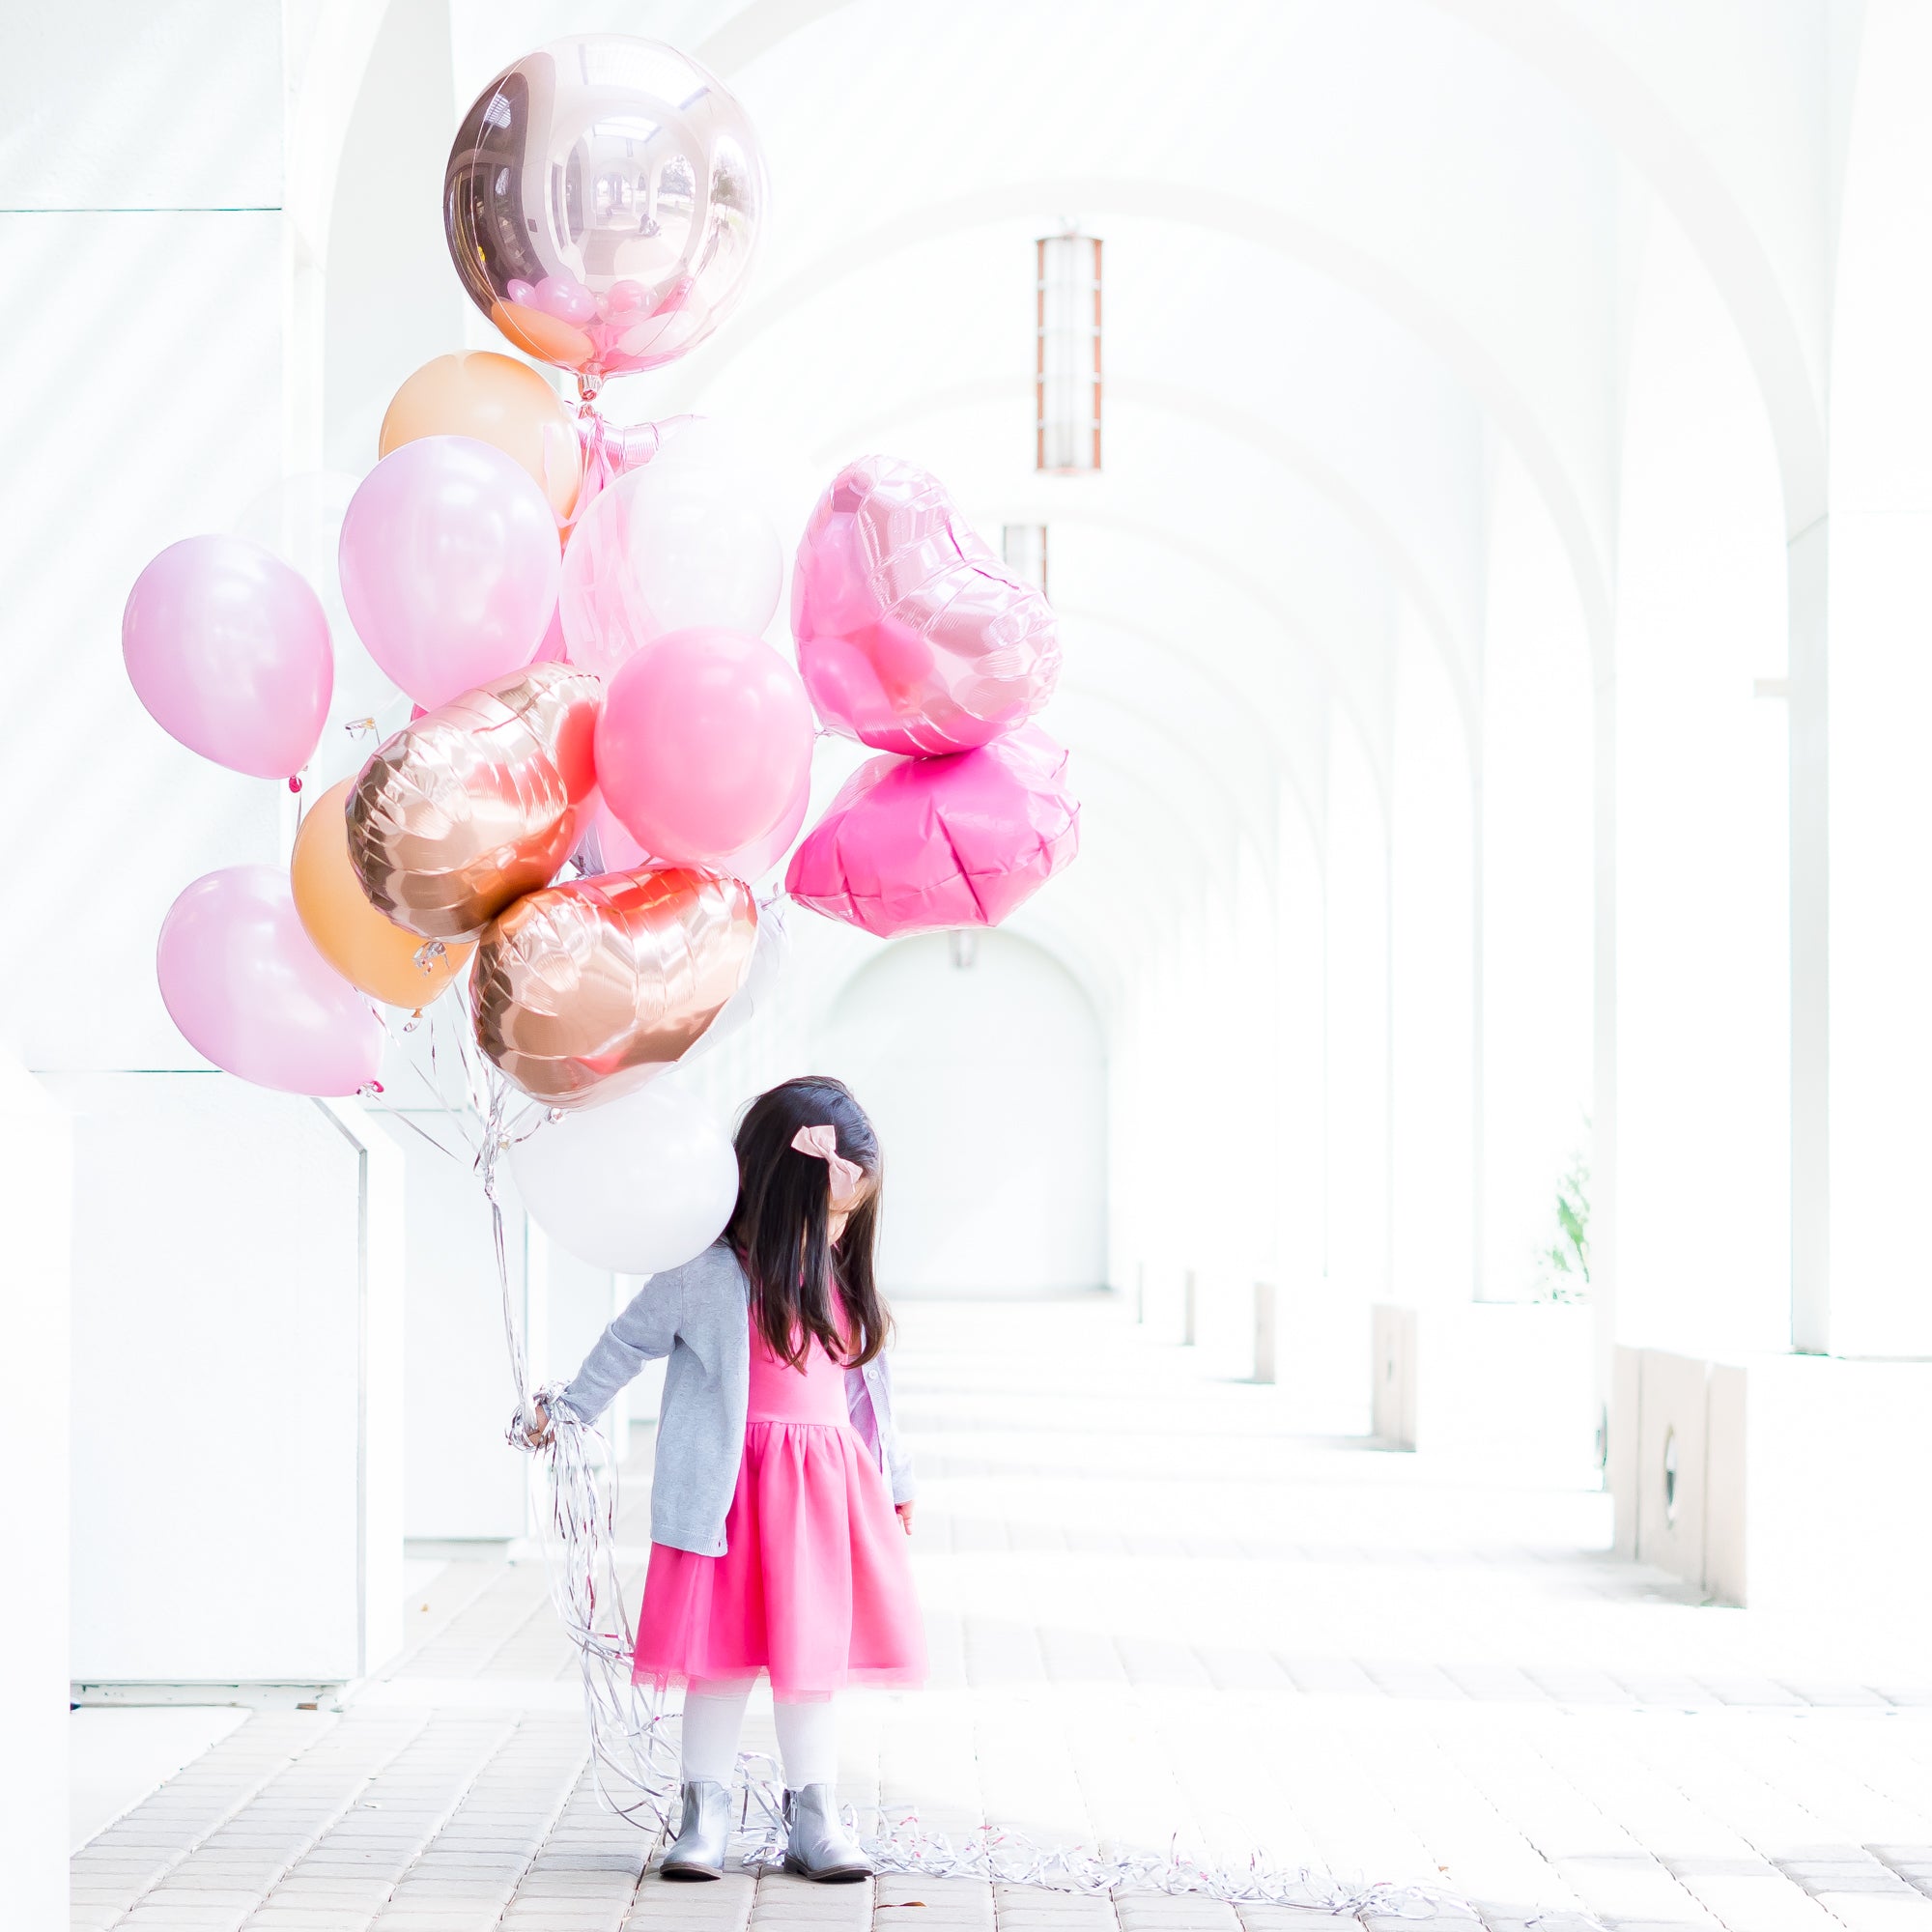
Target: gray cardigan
point(699, 1314)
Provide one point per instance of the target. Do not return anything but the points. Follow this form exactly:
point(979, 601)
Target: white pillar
point(1538, 889)
point(1879, 1300)
point(1431, 987)
point(1356, 935)
point(1702, 920)
point(36, 1183)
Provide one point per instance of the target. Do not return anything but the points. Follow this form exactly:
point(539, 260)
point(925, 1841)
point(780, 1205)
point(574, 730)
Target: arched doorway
point(982, 1063)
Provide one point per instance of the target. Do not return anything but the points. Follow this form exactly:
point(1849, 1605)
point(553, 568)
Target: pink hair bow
point(847, 1175)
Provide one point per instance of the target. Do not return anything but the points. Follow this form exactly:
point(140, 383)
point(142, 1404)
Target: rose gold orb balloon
point(585, 991)
point(603, 202)
point(477, 802)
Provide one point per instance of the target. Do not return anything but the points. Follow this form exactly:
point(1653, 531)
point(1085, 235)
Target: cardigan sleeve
point(898, 1457)
point(646, 1330)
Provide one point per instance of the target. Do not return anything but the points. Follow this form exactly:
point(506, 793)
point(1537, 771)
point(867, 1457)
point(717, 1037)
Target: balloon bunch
point(606, 755)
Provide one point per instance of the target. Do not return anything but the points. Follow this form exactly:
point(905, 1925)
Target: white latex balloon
point(639, 1185)
point(300, 519)
point(673, 545)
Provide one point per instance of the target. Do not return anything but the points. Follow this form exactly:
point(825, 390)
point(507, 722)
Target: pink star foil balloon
point(915, 844)
point(912, 635)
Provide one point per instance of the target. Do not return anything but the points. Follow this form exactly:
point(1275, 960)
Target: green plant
point(1564, 1266)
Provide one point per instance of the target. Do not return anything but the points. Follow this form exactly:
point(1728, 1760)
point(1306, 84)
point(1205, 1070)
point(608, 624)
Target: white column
point(1879, 1288)
point(1702, 920)
point(1537, 888)
point(1433, 995)
point(36, 1183)
point(1356, 935)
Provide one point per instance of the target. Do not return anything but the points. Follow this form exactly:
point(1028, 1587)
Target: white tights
point(713, 1714)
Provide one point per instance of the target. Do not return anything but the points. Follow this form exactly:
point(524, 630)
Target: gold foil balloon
point(586, 990)
point(603, 202)
point(385, 960)
point(477, 803)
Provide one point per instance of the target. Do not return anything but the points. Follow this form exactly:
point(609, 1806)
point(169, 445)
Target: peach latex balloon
point(385, 960)
point(495, 399)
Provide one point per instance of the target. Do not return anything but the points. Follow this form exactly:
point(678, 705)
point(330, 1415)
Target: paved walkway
point(1156, 1612)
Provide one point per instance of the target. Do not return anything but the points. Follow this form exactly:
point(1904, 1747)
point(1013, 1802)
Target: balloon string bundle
point(634, 1742)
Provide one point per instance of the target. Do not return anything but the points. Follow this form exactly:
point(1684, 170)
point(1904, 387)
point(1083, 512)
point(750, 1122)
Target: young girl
point(773, 1541)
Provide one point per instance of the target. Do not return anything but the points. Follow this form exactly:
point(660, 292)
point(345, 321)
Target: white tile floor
point(1155, 1610)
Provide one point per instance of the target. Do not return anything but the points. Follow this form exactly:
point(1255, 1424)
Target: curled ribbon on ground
point(585, 991)
point(477, 802)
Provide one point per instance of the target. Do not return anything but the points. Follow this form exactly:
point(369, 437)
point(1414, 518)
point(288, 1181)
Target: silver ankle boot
point(703, 1833)
point(818, 1846)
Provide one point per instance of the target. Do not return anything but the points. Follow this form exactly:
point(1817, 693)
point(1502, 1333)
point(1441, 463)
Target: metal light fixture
point(1066, 377)
point(1023, 551)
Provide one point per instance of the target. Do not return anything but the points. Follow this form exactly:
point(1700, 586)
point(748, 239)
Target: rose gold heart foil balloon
point(912, 635)
point(477, 802)
point(586, 990)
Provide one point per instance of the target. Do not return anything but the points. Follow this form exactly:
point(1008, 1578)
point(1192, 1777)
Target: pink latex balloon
point(616, 851)
point(228, 649)
point(449, 566)
point(702, 744)
point(245, 985)
point(912, 845)
point(912, 635)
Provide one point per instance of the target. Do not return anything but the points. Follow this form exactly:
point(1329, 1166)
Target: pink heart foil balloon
point(912, 635)
point(915, 844)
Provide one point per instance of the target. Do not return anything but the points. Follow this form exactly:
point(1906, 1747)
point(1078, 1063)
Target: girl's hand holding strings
point(538, 1431)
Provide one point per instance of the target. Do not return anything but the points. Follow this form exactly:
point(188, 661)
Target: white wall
point(988, 1085)
point(236, 1426)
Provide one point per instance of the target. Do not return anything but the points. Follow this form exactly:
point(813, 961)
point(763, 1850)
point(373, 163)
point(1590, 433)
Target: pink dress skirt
point(815, 1585)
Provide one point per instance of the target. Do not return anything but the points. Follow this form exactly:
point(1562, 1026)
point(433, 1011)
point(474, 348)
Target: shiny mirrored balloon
point(586, 990)
point(477, 802)
point(603, 202)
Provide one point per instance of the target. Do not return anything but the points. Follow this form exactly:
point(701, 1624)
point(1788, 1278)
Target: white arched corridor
point(1490, 980)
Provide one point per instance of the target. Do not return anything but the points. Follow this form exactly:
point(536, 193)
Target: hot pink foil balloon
point(911, 844)
point(912, 635)
point(702, 744)
point(449, 566)
point(228, 649)
point(616, 851)
point(245, 985)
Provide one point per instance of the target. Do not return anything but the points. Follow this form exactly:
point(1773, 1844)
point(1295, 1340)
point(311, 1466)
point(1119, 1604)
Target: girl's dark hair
point(778, 1226)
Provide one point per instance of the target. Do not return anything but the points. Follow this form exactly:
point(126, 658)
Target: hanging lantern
point(1066, 380)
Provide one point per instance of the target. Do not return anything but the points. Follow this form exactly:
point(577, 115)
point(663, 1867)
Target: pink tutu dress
point(815, 1585)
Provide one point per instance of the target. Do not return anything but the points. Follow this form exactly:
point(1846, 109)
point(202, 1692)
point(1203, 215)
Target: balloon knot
point(368, 1090)
point(359, 728)
point(295, 783)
